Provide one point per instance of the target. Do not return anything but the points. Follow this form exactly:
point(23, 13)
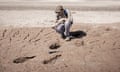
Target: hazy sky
point(59, 0)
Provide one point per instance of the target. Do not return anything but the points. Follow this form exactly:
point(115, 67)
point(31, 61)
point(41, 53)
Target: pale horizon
point(56, 0)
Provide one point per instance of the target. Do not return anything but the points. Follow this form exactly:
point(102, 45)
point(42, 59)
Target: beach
point(28, 43)
point(96, 49)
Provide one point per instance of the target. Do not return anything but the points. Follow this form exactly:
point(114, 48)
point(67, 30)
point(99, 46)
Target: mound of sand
point(28, 49)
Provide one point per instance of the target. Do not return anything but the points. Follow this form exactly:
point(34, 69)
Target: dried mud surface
point(97, 51)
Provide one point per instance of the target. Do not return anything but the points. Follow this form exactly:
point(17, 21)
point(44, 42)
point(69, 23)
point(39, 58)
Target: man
point(64, 21)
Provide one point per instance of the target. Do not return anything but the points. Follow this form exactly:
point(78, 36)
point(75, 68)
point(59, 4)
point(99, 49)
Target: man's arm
point(70, 18)
point(59, 22)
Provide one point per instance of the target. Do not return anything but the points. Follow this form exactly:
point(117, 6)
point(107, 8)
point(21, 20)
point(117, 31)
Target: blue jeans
point(64, 28)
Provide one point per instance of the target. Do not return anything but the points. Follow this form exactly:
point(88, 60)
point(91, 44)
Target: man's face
point(58, 13)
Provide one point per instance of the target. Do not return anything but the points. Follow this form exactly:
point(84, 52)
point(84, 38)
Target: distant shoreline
point(78, 8)
point(82, 6)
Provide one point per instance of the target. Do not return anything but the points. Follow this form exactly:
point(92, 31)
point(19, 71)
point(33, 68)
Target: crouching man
point(63, 22)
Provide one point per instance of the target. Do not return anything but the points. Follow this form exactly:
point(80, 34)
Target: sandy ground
point(46, 18)
point(96, 49)
point(29, 44)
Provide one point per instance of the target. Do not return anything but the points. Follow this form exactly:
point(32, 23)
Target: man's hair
point(59, 8)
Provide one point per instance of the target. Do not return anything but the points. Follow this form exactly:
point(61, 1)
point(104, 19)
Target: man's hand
point(57, 22)
point(61, 20)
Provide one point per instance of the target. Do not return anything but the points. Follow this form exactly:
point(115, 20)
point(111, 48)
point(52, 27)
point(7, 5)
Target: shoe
point(68, 39)
point(72, 37)
point(63, 36)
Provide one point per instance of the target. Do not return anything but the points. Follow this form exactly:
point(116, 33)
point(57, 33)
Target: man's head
point(59, 9)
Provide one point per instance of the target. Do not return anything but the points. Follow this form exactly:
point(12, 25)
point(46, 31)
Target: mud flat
point(96, 49)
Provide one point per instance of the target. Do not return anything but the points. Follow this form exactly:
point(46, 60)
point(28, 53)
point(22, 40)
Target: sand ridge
point(97, 51)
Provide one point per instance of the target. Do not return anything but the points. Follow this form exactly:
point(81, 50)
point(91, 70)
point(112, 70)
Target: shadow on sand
point(78, 34)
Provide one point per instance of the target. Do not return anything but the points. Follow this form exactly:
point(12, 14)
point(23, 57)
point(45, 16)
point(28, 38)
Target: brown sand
point(98, 51)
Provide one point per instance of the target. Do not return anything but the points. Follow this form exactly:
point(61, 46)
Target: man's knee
point(68, 24)
point(60, 28)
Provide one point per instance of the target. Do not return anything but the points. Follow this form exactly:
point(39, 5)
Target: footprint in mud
point(52, 52)
point(22, 59)
point(79, 43)
point(108, 29)
point(50, 60)
point(54, 46)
